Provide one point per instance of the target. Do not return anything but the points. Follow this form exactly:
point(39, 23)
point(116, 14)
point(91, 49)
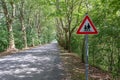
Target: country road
point(40, 63)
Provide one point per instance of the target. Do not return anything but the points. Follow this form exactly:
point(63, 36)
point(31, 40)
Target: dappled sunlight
point(29, 63)
point(18, 65)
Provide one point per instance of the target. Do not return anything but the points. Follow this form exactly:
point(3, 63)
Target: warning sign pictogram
point(87, 27)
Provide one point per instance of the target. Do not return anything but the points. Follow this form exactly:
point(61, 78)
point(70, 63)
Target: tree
point(21, 9)
point(9, 22)
point(68, 11)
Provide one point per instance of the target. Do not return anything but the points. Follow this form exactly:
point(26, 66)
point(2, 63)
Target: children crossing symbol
point(87, 27)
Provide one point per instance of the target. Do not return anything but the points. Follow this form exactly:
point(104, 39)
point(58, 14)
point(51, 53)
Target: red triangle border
point(91, 23)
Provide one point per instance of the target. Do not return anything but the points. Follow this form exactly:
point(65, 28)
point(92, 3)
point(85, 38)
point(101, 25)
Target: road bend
point(40, 63)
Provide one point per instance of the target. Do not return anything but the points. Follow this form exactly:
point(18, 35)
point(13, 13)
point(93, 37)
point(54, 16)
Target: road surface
point(40, 63)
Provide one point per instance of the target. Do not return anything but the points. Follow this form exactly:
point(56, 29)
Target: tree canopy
point(26, 23)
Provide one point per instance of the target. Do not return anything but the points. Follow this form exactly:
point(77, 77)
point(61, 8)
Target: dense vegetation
point(25, 23)
point(104, 48)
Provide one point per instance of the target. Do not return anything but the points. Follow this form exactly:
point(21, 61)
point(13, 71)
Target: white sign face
point(87, 27)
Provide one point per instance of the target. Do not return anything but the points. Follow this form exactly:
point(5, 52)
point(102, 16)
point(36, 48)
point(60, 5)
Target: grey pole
point(86, 51)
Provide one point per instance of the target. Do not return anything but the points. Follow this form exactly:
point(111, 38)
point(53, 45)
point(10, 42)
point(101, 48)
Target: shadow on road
point(40, 63)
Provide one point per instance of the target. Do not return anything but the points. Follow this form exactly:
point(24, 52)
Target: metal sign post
point(87, 27)
point(86, 51)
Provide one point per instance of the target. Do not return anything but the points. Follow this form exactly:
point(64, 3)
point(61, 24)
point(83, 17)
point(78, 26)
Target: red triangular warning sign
point(87, 27)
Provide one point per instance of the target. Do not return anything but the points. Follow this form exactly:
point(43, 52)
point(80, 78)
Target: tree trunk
point(22, 24)
point(69, 42)
point(66, 41)
point(83, 50)
point(33, 42)
point(38, 27)
point(69, 15)
point(37, 24)
point(11, 37)
point(24, 34)
point(9, 21)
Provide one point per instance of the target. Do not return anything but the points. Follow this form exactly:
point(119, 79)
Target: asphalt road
point(40, 63)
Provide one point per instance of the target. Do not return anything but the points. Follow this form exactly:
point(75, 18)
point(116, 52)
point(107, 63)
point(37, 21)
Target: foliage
point(104, 48)
point(46, 19)
point(36, 20)
point(3, 39)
